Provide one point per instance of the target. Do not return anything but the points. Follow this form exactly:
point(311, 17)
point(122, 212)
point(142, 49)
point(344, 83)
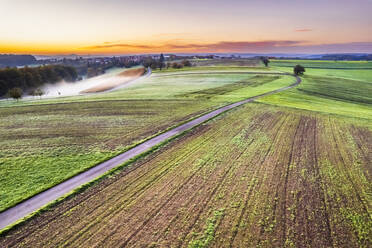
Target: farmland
point(324, 64)
point(291, 170)
point(47, 141)
point(186, 124)
point(340, 92)
point(353, 70)
point(328, 95)
point(258, 176)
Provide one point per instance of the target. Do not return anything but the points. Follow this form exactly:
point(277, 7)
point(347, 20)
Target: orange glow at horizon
point(129, 27)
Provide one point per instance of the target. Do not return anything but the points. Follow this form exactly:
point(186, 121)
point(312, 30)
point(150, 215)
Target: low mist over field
point(63, 88)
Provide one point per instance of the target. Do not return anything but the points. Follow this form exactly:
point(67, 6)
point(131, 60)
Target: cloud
point(109, 45)
point(248, 45)
point(171, 34)
point(219, 46)
point(110, 42)
point(304, 30)
point(277, 46)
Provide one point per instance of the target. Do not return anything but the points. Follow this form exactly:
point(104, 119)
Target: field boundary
point(26, 209)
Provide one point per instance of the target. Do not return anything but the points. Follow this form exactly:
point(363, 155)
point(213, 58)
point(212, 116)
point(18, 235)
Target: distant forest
point(30, 78)
point(12, 60)
point(347, 57)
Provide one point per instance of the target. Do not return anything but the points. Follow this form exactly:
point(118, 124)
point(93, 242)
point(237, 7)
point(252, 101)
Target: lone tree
point(161, 61)
point(265, 60)
point(299, 70)
point(15, 93)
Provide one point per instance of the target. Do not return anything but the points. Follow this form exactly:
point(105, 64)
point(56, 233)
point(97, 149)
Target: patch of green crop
point(361, 224)
point(348, 69)
point(248, 82)
point(208, 235)
point(328, 95)
point(338, 89)
point(355, 75)
point(326, 64)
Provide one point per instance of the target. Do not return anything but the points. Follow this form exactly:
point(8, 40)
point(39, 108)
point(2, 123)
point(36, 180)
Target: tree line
point(28, 78)
point(160, 63)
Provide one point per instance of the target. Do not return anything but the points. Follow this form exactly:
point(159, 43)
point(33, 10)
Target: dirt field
point(127, 75)
point(258, 176)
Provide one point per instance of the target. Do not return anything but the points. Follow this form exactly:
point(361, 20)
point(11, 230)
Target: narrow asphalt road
point(34, 203)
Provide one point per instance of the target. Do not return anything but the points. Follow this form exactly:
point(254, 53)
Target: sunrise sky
point(190, 26)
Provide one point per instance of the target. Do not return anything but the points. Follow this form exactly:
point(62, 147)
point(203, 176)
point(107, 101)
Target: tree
point(31, 78)
point(186, 63)
point(265, 60)
point(298, 70)
point(15, 93)
point(38, 92)
point(175, 65)
point(161, 61)
point(3, 87)
point(147, 62)
point(154, 65)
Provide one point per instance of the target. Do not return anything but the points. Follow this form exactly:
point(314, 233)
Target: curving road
point(34, 203)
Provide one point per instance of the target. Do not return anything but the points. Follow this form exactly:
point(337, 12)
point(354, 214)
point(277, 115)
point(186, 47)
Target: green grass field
point(323, 64)
point(341, 92)
point(322, 68)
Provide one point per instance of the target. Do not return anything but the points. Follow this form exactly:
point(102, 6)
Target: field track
point(32, 204)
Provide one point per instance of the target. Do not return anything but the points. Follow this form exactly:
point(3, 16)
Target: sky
point(190, 26)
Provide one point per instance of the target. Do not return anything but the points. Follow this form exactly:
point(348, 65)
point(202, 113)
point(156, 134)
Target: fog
point(75, 88)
